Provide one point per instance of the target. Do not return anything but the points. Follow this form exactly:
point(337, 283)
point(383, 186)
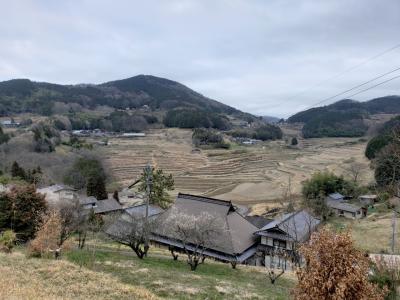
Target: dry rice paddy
point(257, 174)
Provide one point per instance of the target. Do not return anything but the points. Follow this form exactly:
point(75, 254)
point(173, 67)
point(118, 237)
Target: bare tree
point(300, 226)
point(277, 263)
point(197, 233)
point(355, 170)
point(130, 230)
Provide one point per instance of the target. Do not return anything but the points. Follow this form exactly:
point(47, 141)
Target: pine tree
point(96, 187)
point(17, 171)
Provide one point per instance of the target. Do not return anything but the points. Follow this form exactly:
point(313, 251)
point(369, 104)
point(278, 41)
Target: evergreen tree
point(4, 138)
point(160, 184)
point(20, 210)
point(17, 171)
point(96, 187)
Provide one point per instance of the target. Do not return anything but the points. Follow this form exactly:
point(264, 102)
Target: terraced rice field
point(256, 174)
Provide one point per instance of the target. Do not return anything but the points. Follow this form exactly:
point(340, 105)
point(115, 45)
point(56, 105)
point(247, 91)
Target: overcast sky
point(258, 56)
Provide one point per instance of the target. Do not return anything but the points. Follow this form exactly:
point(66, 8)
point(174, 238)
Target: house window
point(341, 212)
point(279, 244)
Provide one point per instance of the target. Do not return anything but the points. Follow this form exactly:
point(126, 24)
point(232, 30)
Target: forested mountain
point(23, 95)
point(130, 104)
point(345, 118)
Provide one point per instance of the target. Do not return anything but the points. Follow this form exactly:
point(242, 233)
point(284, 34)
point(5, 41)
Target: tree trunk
point(233, 264)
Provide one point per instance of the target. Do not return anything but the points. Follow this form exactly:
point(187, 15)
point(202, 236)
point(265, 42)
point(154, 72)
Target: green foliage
point(17, 171)
point(161, 183)
point(20, 210)
point(387, 165)
point(78, 143)
point(45, 137)
point(207, 137)
point(96, 186)
point(33, 176)
point(320, 185)
point(325, 183)
point(7, 240)
point(185, 118)
point(336, 124)
point(264, 133)
point(4, 138)
point(89, 173)
point(383, 138)
point(376, 144)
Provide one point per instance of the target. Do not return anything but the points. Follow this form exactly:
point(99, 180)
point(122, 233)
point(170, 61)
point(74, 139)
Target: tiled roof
point(297, 225)
point(238, 235)
point(108, 205)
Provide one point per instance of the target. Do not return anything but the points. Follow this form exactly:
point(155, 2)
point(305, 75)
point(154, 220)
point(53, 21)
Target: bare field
point(257, 174)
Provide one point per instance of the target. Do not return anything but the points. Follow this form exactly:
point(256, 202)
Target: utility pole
point(148, 171)
point(394, 230)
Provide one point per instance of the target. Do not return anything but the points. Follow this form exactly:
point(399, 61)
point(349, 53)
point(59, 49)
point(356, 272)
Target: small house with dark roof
point(367, 200)
point(287, 229)
point(335, 197)
point(347, 210)
point(107, 206)
point(139, 211)
point(237, 242)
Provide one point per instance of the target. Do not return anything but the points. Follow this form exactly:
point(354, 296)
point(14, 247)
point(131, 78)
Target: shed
point(368, 199)
point(347, 210)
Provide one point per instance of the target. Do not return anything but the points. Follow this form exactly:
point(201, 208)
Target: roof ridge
point(205, 199)
point(230, 234)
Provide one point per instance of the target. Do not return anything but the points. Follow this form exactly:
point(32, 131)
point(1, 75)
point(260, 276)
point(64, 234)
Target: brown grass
point(245, 175)
point(22, 278)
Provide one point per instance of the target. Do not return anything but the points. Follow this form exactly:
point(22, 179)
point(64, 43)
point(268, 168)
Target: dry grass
point(372, 234)
point(22, 278)
point(244, 174)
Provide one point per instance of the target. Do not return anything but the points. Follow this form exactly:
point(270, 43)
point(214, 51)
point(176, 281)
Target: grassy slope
point(372, 234)
point(22, 278)
point(118, 275)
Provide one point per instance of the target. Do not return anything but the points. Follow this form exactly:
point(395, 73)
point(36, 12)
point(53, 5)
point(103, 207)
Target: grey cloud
point(254, 55)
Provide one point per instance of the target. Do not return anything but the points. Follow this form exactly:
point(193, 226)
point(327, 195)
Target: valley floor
point(256, 174)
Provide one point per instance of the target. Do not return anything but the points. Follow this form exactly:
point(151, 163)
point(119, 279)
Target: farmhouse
point(236, 243)
point(288, 229)
point(57, 193)
point(285, 233)
point(346, 210)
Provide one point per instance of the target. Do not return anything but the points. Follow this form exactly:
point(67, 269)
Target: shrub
point(202, 137)
point(334, 269)
point(7, 240)
point(47, 238)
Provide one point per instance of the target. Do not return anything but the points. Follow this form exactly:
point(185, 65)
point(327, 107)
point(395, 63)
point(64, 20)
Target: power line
point(371, 87)
point(353, 88)
point(347, 70)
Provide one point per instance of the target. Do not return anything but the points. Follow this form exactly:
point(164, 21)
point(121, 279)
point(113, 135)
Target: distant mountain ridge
point(24, 95)
point(345, 118)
